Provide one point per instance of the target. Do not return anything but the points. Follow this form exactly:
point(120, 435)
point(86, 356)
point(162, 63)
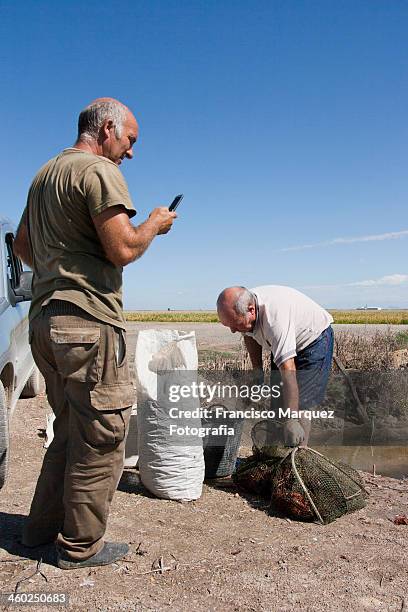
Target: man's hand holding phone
point(163, 218)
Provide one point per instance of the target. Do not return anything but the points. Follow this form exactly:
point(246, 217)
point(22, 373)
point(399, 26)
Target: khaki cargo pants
point(84, 364)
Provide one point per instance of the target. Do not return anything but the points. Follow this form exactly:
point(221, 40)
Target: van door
point(18, 312)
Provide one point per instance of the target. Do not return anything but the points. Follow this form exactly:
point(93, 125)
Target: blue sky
point(284, 123)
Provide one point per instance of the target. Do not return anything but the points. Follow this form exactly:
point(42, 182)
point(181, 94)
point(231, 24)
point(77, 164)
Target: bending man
point(296, 331)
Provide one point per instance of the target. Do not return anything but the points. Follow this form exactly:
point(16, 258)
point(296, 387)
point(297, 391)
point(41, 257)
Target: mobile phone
point(175, 202)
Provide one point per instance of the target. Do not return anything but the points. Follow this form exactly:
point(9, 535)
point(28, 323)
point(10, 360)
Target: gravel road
point(216, 337)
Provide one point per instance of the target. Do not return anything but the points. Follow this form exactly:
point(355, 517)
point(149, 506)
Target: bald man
point(76, 235)
point(298, 334)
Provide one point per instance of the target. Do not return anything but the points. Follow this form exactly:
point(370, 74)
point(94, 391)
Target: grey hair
point(245, 298)
point(93, 117)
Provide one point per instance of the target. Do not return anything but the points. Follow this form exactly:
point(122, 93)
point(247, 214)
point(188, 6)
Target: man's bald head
point(93, 117)
point(236, 307)
point(230, 297)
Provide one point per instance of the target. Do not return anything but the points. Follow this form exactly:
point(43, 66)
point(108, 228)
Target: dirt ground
point(223, 552)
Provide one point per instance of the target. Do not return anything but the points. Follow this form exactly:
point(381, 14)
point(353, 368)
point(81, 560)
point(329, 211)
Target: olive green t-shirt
point(69, 262)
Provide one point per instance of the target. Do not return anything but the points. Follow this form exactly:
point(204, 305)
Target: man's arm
point(295, 432)
point(287, 370)
point(21, 244)
point(256, 376)
point(122, 242)
point(255, 352)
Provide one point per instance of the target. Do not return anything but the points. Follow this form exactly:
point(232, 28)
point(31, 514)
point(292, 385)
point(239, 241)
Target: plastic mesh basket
point(308, 485)
point(302, 483)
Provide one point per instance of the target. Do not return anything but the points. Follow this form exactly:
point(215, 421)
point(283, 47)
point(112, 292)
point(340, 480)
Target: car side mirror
point(23, 290)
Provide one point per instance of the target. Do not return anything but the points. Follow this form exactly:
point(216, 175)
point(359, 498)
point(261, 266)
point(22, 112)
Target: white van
point(19, 376)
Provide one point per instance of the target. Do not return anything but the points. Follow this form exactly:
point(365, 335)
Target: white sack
point(168, 467)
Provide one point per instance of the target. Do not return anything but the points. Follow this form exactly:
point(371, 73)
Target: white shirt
point(287, 321)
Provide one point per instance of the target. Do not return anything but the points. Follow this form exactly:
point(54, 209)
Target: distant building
point(369, 308)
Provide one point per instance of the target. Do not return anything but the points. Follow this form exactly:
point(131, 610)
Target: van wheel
point(32, 386)
point(4, 436)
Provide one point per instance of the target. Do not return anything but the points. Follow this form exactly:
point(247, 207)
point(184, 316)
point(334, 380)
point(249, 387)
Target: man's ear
point(252, 309)
point(105, 129)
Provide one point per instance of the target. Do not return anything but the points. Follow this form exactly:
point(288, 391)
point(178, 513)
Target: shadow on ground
point(11, 526)
point(130, 483)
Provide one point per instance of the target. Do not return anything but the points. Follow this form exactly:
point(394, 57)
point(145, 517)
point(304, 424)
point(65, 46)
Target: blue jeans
point(313, 366)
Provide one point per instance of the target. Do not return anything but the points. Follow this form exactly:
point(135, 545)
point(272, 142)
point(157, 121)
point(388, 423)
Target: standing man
point(76, 235)
point(296, 331)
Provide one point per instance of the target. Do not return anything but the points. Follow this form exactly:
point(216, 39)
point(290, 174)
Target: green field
point(389, 317)
point(394, 317)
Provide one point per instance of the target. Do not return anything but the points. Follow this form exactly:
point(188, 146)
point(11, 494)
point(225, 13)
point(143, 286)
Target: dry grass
point(375, 352)
point(368, 353)
point(388, 317)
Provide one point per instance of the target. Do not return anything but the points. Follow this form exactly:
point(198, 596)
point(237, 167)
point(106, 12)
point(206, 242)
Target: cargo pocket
point(76, 351)
point(112, 397)
point(107, 429)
